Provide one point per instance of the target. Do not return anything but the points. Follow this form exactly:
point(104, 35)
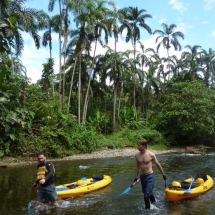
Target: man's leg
point(152, 199)
point(147, 203)
point(40, 196)
point(55, 203)
point(52, 195)
point(148, 196)
point(38, 203)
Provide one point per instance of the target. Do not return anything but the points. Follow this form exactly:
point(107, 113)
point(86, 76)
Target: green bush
point(152, 136)
point(185, 115)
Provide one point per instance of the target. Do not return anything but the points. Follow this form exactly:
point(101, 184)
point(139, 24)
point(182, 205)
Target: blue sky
point(194, 18)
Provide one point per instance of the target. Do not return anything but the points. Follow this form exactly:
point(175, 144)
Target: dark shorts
point(47, 193)
point(147, 182)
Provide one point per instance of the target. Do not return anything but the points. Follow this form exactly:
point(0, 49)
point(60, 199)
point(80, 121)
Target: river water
point(17, 197)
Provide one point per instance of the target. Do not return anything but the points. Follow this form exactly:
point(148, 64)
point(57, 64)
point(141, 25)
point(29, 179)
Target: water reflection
point(18, 197)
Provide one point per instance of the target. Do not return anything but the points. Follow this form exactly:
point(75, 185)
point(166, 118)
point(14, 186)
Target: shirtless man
point(144, 159)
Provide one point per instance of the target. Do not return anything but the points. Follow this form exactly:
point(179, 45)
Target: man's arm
point(158, 165)
point(50, 169)
point(137, 167)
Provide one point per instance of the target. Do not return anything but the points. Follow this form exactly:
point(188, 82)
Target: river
point(17, 197)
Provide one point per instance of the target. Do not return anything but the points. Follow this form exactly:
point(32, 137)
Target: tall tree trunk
point(11, 55)
point(114, 104)
point(64, 52)
point(119, 103)
point(71, 84)
point(88, 88)
point(60, 96)
point(134, 90)
point(114, 89)
point(79, 92)
point(53, 87)
point(168, 64)
point(50, 43)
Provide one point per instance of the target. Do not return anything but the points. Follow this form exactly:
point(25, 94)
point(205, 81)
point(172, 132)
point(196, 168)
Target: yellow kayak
point(189, 188)
point(82, 186)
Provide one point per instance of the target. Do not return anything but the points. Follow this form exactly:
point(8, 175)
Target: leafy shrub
point(186, 114)
point(129, 117)
point(64, 138)
point(152, 136)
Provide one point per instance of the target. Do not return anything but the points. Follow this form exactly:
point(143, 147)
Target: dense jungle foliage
point(97, 101)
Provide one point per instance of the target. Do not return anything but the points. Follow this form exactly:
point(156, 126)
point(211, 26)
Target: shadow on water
point(18, 196)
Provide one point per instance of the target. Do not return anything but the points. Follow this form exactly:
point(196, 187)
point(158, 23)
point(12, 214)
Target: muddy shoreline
point(105, 153)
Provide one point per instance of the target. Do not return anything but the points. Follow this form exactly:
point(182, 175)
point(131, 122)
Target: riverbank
point(105, 153)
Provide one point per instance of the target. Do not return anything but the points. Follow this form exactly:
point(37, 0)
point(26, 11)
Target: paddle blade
point(188, 190)
point(126, 191)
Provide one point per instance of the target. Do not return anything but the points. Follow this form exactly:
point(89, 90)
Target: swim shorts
point(147, 182)
point(47, 193)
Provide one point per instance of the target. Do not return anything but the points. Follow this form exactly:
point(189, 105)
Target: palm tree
point(80, 41)
point(7, 29)
point(65, 28)
point(101, 22)
point(176, 67)
point(207, 60)
point(27, 19)
point(144, 57)
point(49, 24)
point(150, 89)
point(168, 37)
point(74, 49)
point(50, 8)
point(192, 66)
point(47, 71)
point(114, 64)
point(117, 18)
point(134, 19)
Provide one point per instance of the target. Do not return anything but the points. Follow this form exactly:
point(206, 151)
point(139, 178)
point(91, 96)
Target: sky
point(194, 18)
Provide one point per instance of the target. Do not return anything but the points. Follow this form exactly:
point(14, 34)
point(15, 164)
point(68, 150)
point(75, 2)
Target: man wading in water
point(45, 178)
point(144, 159)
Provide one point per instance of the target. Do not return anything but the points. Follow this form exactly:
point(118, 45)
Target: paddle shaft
point(191, 184)
point(189, 189)
point(134, 183)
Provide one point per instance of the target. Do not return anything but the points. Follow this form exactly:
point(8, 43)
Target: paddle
point(128, 189)
point(189, 190)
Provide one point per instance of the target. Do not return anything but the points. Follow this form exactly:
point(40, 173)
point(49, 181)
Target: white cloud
point(162, 20)
point(33, 73)
point(178, 5)
point(209, 4)
point(183, 27)
point(213, 34)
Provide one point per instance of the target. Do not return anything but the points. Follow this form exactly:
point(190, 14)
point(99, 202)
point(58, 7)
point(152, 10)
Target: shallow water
point(18, 197)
